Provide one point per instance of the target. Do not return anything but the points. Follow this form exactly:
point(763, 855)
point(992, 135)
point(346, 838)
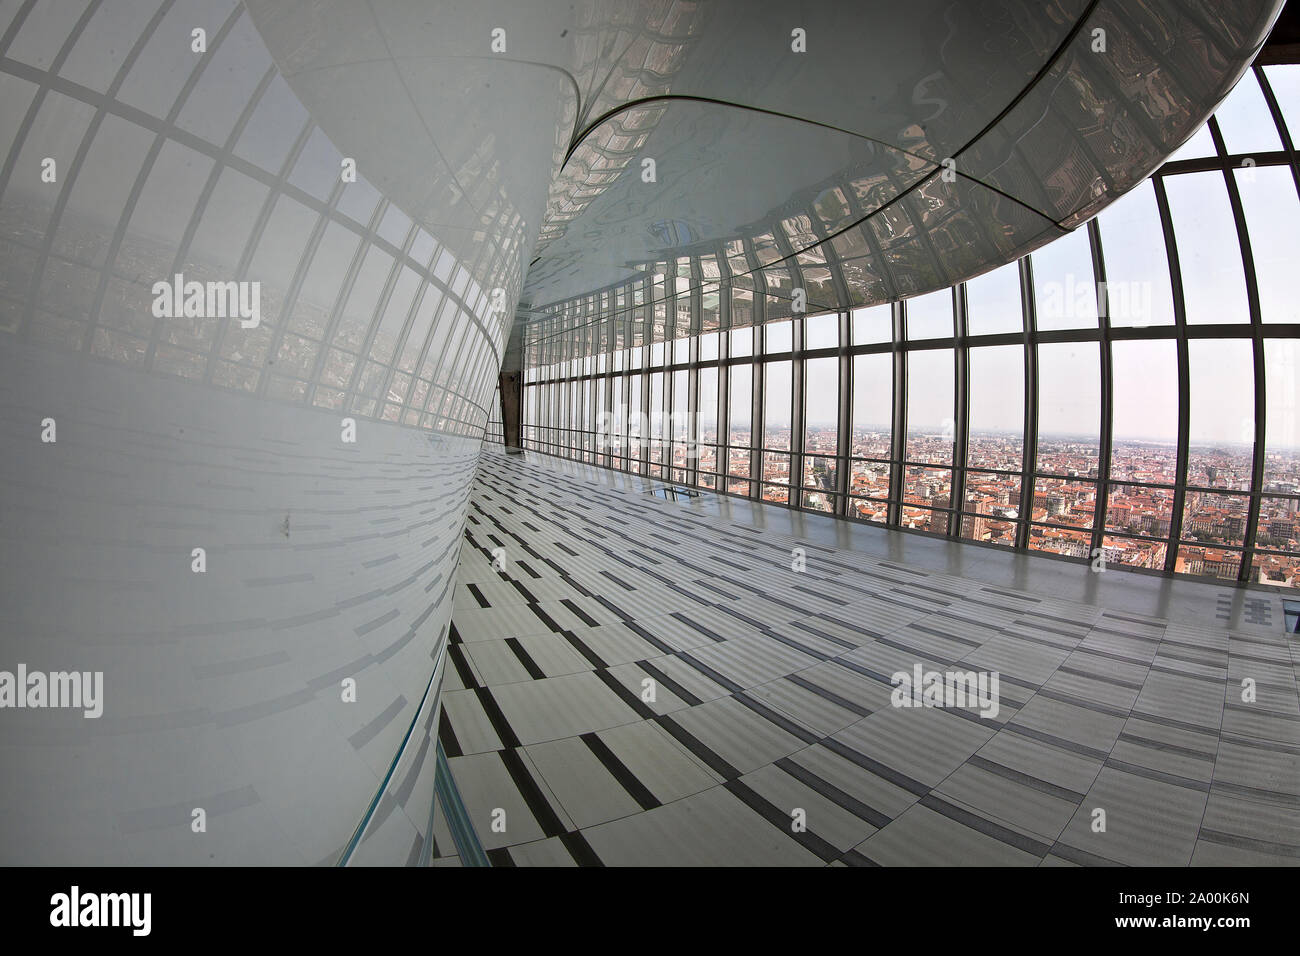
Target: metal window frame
point(1029, 338)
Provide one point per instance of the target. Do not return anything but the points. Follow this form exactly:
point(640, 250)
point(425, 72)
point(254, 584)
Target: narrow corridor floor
point(634, 681)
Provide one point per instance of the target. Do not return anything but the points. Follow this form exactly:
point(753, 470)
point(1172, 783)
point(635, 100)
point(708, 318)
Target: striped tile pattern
point(772, 694)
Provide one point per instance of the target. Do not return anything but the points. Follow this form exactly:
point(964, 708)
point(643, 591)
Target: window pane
point(777, 397)
point(1244, 119)
point(174, 183)
point(1210, 562)
point(927, 486)
point(1278, 570)
point(990, 518)
point(1134, 552)
point(1272, 208)
point(394, 317)
point(419, 331)
point(818, 501)
point(777, 337)
point(680, 413)
point(929, 316)
point(707, 464)
point(992, 494)
point(1138, 289)
point(742, 341)
point(311, 314)
point(741, 399)
point(394, 226)
point(1144, 426)
point(1281, 421)
point(821, 423)
point(1209, 256)
point(709, 347)
point(1222, 428)
point(738, 467)
point(681, 351)
point(1069, 408)
point(872, 326)
point(993, 302)
point(1065, 291)
point(1279, 526)
point(1064, 501)
point(317, 169)
point(226, 85)
point(925, 519)
point(1285, 82)
point(873, 378)
point(618, 422)
point(1133, 509)
point(869, 478)
point(821, 408)
point(997, 407)
point(656, 405)
point(930, 426)
point(422, 247)
point(228, 220)
point(865, 510)
point(98, 196)
point(822, 331)
point(1199, 146)
point(1211, 518)
point(637, 430)
point(707, 400)
point(776, 467)
point(102, 47)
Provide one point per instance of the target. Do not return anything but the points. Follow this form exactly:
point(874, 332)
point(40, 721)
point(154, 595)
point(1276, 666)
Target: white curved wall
point(325, 559)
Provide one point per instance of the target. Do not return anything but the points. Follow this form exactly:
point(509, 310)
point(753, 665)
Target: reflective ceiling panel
point(715, 171)
point(754, 113)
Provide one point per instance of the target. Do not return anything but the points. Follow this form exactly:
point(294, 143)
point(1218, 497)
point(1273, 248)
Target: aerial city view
point(1139, 509)
point(1141, 487)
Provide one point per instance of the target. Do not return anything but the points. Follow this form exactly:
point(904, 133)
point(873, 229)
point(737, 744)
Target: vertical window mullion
point(1029, 459)
point(898, 436)
point(1102, 498)
point(844, 416)
point(961, 414)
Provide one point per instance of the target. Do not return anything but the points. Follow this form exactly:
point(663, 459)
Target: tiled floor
point(772, 693)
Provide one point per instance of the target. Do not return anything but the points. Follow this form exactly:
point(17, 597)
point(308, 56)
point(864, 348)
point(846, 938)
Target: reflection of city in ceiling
point(972, 184)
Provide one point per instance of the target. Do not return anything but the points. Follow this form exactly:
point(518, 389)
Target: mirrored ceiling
point(914, 145)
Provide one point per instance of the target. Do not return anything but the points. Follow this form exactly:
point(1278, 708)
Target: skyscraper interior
point(649, 433)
